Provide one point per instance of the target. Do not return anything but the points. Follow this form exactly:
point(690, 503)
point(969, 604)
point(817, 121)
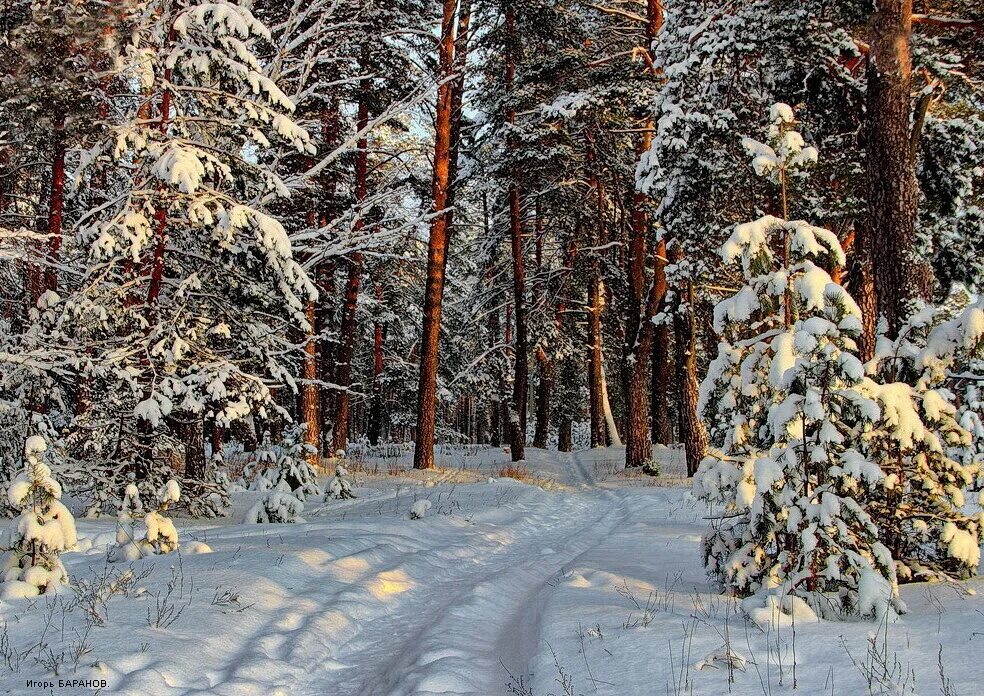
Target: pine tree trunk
point(327, 348)
point(544, 387)
point(375, 428)
point(56, 204)
point(517, 419)
point(893, 195)
point(862, 286)
point(612, 427)
point(348, 326)
point(595, 307)
point(640, 330)
point(310, 405)
point(565, 434)
point(437, 247)
point(693, 434)
point(326, 314)
point(193, 438)
point(595, 404)
point(661, 384)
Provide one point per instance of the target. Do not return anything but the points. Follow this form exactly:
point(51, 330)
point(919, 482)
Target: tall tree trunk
point(596, 305)
point(326, 314)
point(862, 286)
point(892, 189)
point(640, 331)
point(375, 429)
point(56, 203)
point(310, 394)
point(517, 419)
point(348, 326)
point(327, 319)
point(662, 432)
point(544, 387)
point(437, 247)
point(693, 433)
point(595, 357)
point(565, 434)
point(545, 367)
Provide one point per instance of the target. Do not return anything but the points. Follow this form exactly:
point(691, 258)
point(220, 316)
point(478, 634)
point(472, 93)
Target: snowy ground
point(580, 581)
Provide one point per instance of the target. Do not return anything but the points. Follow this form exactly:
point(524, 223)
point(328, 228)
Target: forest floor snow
point(578, 580)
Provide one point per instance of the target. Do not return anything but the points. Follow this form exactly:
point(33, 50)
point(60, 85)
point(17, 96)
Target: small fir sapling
point(130, 511)
point(339, 486)
point(159, 535)
point(278, 506)
point(44, 529)
point(785, 400)
point(283, 467)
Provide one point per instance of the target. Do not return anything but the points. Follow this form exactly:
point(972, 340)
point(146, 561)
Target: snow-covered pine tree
point(786, 399)
point(339, 486)
point(43, 531)
point(158, 535)
point(191, 284)
point(927, 441)
point(131, 509)
point(278, 506)
point(284, 462)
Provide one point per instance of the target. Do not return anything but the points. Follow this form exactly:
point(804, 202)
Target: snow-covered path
point(591, 579)
point(450, 605)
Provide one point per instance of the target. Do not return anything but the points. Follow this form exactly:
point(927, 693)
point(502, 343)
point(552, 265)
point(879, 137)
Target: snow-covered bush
point(278, 506)
point(339, 486)
point(284, 463)
point(419, 509)
point(785, 399)
point(44, 529)
point(158, 535)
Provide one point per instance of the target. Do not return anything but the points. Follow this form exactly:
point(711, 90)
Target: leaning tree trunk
point(437, 247)
point(892, 189)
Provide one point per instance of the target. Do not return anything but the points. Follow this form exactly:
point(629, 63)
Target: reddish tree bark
point(692, 430)
point(56, 202)
point(640, 331)
point(375, 429)
point(310, 402)
point(437, 248)
point(160, 211)
point(662, 428)
point(893, 195)
point(326, 314)
point(594, 309)
point(348, 326)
